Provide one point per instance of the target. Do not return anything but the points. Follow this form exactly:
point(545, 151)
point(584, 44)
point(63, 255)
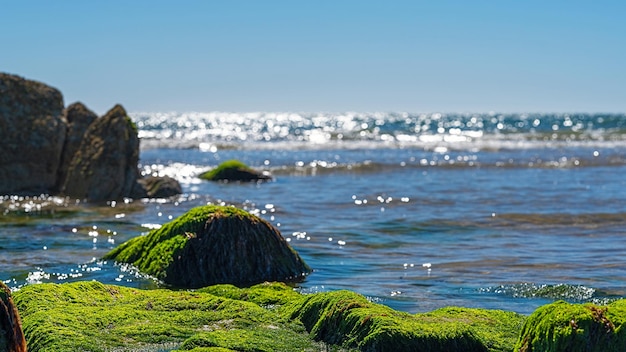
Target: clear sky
point(341, 55)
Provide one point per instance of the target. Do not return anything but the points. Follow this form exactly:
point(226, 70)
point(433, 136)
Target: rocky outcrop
point(32, 134)
point(46, 149)
point(213, 245)
point(270, 317)
point(234, 170)
point(11, 335)
point(105, 165)
point(78, 118)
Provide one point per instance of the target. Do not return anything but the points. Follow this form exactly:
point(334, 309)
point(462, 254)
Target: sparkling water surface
point(414, 211)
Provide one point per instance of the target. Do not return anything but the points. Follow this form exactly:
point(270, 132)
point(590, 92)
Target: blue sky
point(344, 55)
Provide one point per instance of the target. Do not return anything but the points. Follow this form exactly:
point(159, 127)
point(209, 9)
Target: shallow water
point(473, 210)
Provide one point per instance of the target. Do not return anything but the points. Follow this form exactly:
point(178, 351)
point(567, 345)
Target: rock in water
point(234, 170)
point(105, 165)
point(11, 335)
point(213, 245)
point(78, 119)
point(32, 133)
point(157, 187)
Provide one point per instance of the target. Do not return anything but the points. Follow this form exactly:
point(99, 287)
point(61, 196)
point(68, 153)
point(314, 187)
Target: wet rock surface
point(213, 245)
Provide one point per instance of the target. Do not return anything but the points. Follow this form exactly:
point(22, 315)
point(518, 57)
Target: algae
point(562, 326)
point(91, 316)
point(348, 319)
point(233, 170)
point(212, 245)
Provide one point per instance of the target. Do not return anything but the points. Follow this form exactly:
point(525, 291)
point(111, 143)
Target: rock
point(213, 245)
point(90, 316)
point(157, 187)
point(105, 165)
point(562, 326)
point(78, 118)
point(11, 335)
point(32, 133)
point(234, 170)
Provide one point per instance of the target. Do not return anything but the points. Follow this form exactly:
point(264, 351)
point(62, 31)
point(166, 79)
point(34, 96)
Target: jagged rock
point(105, 165)
point(32, 133)
point(213, 245)
point(78, 118)
point(234, 170)
point(157, 187)
point(11, 335)
point(48, 150)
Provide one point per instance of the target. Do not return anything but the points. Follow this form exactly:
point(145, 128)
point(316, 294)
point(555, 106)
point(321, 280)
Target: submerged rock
point(105, 165)
point(157, 187)
point(234, 170)
point(212, 245)
point(562, 326)
point(11, 335)
point(32, 133)
point(90, 316)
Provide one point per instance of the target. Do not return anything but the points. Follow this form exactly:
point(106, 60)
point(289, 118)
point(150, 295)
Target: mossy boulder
point(90, 316)
point(11, 335)
point(213, 245)
point(562, 326)
point(350, 320)
point(234, 170)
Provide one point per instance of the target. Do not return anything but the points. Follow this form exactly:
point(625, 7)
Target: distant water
point(416, 211)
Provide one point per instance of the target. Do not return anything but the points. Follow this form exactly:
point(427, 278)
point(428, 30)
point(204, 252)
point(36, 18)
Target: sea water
point(415, 211)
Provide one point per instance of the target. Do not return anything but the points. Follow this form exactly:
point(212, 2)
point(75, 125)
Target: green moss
point(561, 326)
point(211, 245)
point(153, 252)
point(233, 170)
point(350, 320)
point(220, 172)
point(90, 316)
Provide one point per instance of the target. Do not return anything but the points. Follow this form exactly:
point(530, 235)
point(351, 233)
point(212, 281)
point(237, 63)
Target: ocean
point(415, 211)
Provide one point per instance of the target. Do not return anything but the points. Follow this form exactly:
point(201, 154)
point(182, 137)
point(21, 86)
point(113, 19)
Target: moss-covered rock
point(90, 316)
point(562, 326)
point(213, 245)
point(11, 335)
point(348, 319)
point(234, 170)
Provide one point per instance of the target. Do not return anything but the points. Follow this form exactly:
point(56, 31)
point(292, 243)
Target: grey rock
point(32, 134)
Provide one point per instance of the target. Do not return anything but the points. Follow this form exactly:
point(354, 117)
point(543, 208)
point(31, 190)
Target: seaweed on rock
point(234, 170)
point(562, 326)
point(90, 316)
point(213, 245)
point(348, 319)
